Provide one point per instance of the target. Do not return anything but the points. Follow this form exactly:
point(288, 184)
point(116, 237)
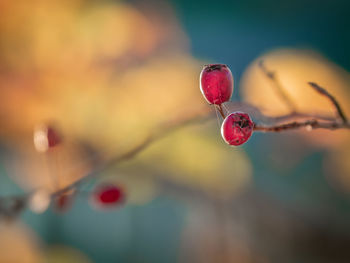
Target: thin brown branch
point(299, 115)
point(278, 87)
point(105, 166)
point(130, 154)
point(14, 209)
point(334, 101)
point(256, 113)
point(133, 152)
point(309, 124)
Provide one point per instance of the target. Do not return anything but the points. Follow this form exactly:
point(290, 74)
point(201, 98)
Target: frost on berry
point(237, 128)
point(108, 196)
point(216, 83)
point(46, 137)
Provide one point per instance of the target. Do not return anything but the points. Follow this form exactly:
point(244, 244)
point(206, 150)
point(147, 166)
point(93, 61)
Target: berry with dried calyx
point(216, 83)
point(237, 128)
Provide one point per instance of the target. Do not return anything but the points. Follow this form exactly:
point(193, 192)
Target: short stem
point(221, 110)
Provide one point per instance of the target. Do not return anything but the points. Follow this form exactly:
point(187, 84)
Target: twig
point(221, 110)
point(309, 124)
point(314, 123)
point(278, 87)
point(105, 166)
point(257, 114)
point(11, 211)
point(130, 154)
point(336, 104)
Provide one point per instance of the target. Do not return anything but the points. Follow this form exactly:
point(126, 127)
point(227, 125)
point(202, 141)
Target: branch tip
point(333, 100)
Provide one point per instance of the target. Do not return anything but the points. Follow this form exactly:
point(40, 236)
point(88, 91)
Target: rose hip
point(216, 83)
point(237, 128)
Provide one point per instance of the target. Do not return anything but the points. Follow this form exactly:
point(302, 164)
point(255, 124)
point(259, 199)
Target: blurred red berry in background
point(108, 195)
point(46, 137)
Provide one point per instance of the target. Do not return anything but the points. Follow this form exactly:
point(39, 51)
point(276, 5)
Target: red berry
point(53, 138)
point(216, 83)
point(46, 137)
point(107, 195)
point(237, 128)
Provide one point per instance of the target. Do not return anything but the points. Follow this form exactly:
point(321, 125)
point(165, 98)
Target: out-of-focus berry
point(46, 137)
point(108, 195)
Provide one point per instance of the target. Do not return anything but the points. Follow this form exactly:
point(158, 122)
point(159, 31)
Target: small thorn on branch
point(336, 104)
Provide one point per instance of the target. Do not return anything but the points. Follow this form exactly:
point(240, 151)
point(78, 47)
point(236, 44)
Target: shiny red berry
point(237, 128)
point(216, 83)
point(108, 195)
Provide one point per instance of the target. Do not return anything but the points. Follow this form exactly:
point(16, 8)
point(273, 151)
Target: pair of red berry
point(216, 84)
